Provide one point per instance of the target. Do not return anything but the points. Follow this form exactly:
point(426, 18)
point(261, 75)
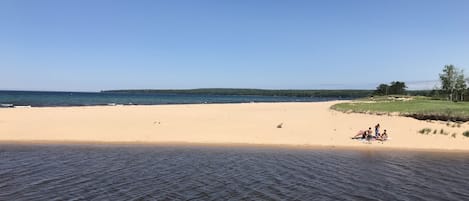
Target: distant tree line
point(257, 92)
point(454, 86)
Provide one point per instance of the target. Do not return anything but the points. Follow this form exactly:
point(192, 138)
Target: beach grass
point(414, 106)
point(425, 131)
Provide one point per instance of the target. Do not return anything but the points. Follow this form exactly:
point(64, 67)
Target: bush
point(466, 133)
point(425, 131)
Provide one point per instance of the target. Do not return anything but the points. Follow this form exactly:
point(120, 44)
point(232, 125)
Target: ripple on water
point(97, 172)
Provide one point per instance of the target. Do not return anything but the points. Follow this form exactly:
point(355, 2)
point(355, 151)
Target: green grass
point(418, 107)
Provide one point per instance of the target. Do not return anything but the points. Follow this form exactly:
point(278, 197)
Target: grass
point(415, 106)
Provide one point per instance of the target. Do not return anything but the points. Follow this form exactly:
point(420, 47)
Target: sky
point(92, 45)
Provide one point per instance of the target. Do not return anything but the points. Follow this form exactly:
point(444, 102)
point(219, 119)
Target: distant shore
point(302, 124)
point(253, 92)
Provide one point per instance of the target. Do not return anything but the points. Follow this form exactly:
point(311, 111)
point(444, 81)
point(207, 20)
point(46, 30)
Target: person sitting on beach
point(383, 136)
point(370, 132)
point(369, 137)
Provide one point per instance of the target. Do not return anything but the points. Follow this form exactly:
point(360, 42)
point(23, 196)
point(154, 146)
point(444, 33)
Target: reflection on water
point(137, 172)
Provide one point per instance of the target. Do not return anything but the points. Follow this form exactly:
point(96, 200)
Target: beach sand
point(308, 124)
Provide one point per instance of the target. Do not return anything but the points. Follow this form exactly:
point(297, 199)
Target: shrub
point(434, 132)
point(466, 133)
point(425, 131)
point(453, 135)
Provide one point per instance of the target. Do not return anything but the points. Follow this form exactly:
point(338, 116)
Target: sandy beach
point(251, 123)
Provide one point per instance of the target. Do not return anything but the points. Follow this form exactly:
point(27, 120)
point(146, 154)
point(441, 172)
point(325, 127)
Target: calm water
point(170, 172)
point(40, 99)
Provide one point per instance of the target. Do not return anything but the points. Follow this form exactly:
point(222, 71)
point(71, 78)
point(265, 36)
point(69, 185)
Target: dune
point(305, 124)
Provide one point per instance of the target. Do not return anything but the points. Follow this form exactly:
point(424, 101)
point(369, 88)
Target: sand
point(307, 124)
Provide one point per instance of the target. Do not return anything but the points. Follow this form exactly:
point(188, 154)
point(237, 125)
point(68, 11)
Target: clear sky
point(80, 45)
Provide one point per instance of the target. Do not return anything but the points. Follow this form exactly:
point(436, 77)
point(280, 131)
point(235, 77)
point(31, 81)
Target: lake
point(47, 99)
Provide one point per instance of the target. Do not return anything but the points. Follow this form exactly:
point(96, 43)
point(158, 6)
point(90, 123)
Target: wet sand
point(310, 124)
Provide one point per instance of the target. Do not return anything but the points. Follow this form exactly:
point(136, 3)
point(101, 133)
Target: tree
point(397, 87)
point(452, 82)
point(467, 90)
point(382, 89)
point(460, 86)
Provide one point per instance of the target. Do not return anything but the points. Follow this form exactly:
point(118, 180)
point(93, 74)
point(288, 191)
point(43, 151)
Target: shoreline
point(227, 145)
point(130, 105)
point(305, 124)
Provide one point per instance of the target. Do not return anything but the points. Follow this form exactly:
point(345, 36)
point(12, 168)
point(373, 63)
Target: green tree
point(382, 89)
point(452, 82)
point(397, 87)
point(467, 90)
point(460, 86)
point(394, 87)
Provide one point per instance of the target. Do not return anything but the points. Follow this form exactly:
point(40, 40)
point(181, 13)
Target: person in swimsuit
point(360, 135)
point(377, 131)
point(369, 135)
point(363, 134)
point(384, 135)
point(370, 132)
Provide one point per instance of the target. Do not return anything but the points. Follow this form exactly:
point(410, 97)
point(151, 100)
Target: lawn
point(413, 106)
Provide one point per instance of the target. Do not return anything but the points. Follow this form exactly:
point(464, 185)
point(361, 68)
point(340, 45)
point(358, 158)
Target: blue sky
point(115, 44)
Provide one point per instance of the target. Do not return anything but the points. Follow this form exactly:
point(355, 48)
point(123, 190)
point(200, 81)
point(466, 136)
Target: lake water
point(42, 99)
point(192, 172)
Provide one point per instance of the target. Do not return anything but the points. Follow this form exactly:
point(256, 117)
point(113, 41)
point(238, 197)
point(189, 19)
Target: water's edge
point(226, 145)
